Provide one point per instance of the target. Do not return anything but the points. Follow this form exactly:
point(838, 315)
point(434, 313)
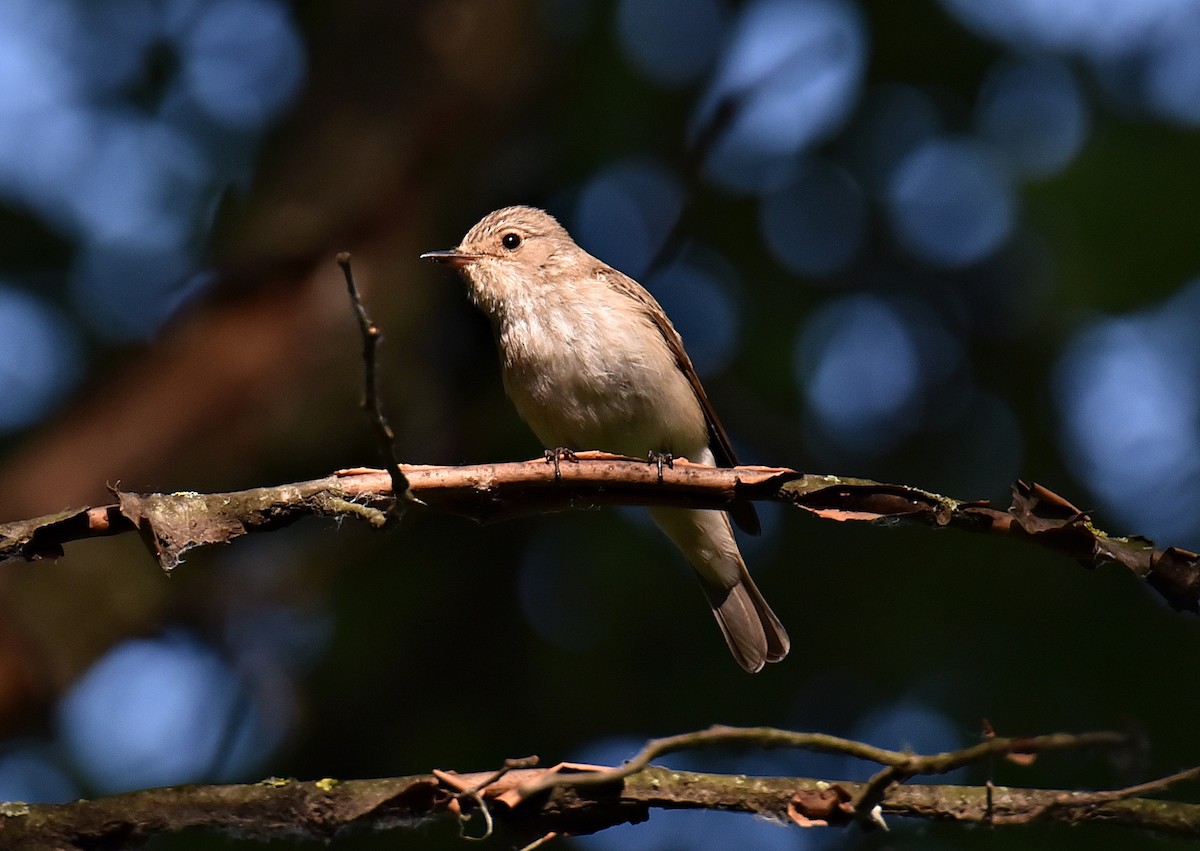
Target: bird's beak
point(453, 257)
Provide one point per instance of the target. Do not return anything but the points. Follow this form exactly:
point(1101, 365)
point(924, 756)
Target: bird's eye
point(510, 241)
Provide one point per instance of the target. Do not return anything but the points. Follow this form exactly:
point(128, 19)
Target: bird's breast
point(594, 376)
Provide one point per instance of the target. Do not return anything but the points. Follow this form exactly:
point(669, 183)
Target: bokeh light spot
point(788, 78)
point(1128, 391)
point(904, 726)
point(892, 120)
point(816, 225)
point(39, 359)
point(124, 292)
point(1034, 111)
point(156, 712)
point(137, 176)
point(860, 371)
point(864, 364)
point(1171, 77)
point(1100, 29)
point(123, 120)
point(694, 290)
point(950, 202)
point(624, 213)
point(243, 61)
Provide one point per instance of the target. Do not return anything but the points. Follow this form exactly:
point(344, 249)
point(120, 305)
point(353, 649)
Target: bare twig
point(901, 765)
point(540, 841)
point(371, 403)
point(899, 770)
point(474, 790)
point(509, 765)
point(1082, 800)
point(488, 824)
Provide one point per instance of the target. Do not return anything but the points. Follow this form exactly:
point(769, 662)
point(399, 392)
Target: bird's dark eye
point(510, 240)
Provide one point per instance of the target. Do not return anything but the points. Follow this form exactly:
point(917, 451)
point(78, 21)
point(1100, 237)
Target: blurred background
point(947, 243)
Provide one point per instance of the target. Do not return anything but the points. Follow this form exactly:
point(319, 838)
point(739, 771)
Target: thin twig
point(1089, 799)
point(487, 819)
point(371, 404)
point(509, 765)
point(898, 762)
point(540, 841)
point(912, 765)
point(475, 790)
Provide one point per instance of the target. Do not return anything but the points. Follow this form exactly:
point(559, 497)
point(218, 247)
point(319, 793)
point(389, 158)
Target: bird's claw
point(554, 456)
point(659, 459)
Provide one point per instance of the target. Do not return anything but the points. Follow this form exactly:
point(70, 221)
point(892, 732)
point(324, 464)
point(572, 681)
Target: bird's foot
point(660, 459)
point(555, 456)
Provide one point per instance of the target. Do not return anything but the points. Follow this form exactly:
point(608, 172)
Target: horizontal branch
point(172, 524)
point(531, 802)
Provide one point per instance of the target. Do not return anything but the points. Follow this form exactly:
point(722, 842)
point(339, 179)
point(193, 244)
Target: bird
point(590, 360)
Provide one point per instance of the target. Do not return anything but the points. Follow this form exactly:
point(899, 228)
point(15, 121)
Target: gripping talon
point(659, 459)
point(554, 456)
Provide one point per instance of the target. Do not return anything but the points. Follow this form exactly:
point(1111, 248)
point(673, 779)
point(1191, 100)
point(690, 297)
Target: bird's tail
point(754, 635)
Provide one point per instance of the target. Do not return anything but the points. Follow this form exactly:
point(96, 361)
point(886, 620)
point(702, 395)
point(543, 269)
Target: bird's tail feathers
point(754, 635)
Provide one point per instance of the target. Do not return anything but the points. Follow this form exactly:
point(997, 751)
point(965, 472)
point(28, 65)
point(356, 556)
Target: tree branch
point(173, 524)
point(531, 803)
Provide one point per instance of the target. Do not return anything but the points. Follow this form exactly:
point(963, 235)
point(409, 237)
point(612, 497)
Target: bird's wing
point(742, 513)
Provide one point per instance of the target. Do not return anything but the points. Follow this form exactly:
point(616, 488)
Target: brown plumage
point(591, 361)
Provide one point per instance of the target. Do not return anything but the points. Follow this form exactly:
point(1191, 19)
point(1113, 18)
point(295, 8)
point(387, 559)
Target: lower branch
point(529, 803)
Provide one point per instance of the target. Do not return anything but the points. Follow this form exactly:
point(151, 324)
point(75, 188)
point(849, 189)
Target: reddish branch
point(172, 524)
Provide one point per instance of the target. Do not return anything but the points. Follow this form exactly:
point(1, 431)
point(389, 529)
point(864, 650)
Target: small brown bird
point(591, 361)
